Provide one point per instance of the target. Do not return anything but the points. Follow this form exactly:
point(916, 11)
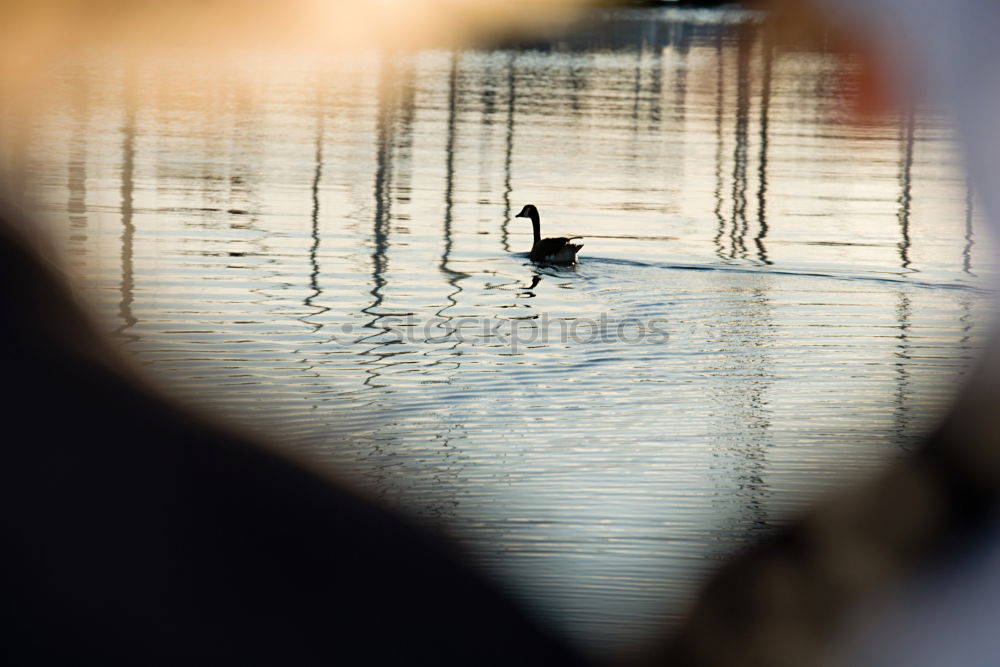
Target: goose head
point(529, 211)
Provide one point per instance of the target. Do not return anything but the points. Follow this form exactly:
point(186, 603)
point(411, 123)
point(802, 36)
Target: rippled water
point(774, 297)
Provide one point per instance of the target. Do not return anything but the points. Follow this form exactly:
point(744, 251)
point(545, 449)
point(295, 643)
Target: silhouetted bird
point(553, 251)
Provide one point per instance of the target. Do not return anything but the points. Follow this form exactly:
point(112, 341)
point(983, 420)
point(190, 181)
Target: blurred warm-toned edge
point(35, 36)
point(33, 33)
point(38, 37)
point(197, 35)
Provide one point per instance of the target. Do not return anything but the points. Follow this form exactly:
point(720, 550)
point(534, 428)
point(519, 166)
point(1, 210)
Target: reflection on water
point(739, 195)
point(905, 186)
point(128, 228)
point(969, 233)
point(772, 299)
point(767, 58)
point(76, 205)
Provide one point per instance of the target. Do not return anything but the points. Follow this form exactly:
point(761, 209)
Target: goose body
point(551, 251)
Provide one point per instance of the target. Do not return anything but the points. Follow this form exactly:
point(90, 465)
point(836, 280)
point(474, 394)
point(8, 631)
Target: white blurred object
point(946, 53)
point(946, 618)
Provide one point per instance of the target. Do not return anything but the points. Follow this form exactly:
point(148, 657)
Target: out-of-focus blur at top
point(943, 53)
point(33, 33)
point(38, 36)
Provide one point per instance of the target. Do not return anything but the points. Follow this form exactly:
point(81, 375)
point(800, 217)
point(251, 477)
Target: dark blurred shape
point(136, 533)
point(792, 599)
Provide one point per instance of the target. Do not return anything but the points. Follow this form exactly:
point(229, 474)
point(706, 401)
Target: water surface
point(774, 297)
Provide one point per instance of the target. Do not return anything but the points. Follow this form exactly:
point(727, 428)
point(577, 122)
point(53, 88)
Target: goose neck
point(536, 225)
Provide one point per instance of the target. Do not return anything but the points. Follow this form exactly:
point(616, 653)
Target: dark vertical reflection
point(680, 83)
point(449, 164)
point(128, 227)
point(745, 331)
point(315, 291)
point(394, 110)
point(633, 167)
point(656, 88)
point(903, 306)
point(719, 90)
point(966, 343)
point(903, 356)
point(383, 156)
point(453, 277)
point(577, 85)
point(969, 240)
point(381, 191)
point(314, 270)
point(488, 108)
point(905, 185)
point(404, 101)
point(375, 357)
point(765, 108)
point(637, 84)
point(488, 93)
point(447, 472)
point(739, 229)
point(509, 152)
point(76, 206)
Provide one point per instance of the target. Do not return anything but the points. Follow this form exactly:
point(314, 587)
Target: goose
point(553, 251)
